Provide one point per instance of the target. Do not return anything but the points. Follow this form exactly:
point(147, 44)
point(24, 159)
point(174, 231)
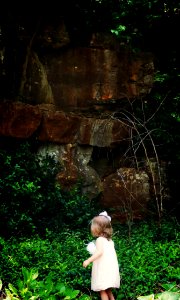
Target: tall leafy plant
point(28, 195)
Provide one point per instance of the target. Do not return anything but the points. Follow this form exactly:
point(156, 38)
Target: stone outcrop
point(129, 190)
point(81, 78)
point(72, 96)
point(19, 120)
point(76, 142)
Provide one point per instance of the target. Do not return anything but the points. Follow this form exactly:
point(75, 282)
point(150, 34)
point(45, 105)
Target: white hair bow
point(104, 213)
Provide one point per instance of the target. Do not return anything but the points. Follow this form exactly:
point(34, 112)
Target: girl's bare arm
point(97, 254)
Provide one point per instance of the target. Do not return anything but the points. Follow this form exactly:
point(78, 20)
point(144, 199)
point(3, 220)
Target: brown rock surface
point(128, 190)
point(78, 79)
point(19, 120)
point(59, 127)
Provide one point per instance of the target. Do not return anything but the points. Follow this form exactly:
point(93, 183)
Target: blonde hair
point(101, 226)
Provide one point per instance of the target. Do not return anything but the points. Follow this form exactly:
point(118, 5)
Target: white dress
point(105, 269)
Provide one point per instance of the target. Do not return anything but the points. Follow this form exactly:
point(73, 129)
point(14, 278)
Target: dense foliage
point(31, 199)
point(148, 260)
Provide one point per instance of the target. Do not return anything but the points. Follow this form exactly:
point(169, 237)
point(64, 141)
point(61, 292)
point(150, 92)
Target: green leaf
point(9, 295)
point(73, 294)
point(13, 289)
point(35, 275)
point(170, 287)
point(84, 297)
point(25, 274)
point(168, 296)
point(149, 297)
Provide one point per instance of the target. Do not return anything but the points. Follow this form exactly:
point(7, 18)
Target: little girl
point(105, 270)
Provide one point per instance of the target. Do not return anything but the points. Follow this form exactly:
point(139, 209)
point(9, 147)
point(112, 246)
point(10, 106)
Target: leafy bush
point(31, 199)
point(61, 255)
point(30, 288)
point(149, 257)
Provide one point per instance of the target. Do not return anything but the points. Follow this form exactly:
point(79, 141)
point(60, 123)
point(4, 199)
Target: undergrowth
point(148, 259)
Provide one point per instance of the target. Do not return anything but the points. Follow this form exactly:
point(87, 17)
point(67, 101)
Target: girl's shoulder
point(103, 239)
point(100, 241)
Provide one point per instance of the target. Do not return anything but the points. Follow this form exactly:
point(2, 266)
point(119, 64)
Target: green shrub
point(29, 287)
point(31, 200)
point(149, 257)
point(62, 256)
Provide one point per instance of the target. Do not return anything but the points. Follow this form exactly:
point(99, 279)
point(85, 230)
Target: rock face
point(128, 189)
point(19, 120)
point(89, 149)
point(81, 78)
point(72, 98)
